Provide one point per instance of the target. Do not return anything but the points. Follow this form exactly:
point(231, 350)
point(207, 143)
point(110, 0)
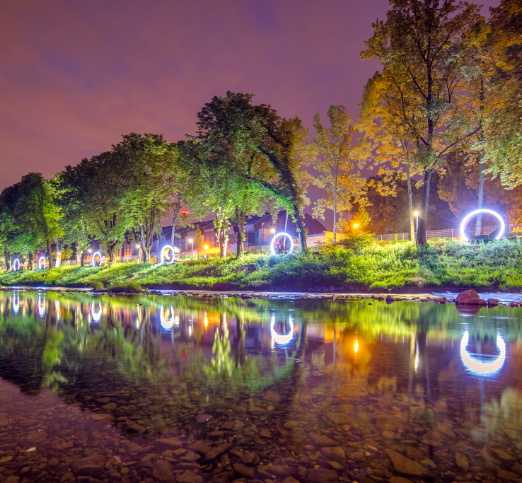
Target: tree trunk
point(240, 233)
point(79, 254)
point(423, 218)
point(7, 256)
point(223, 242)
point(335, 211)
point(144, 244)
point(410, 199)
point(174, 222)
point(58, 254)
point(30, 256)
point(478, 226)
point(302, 230)
point(286, 227)
point(50, 254)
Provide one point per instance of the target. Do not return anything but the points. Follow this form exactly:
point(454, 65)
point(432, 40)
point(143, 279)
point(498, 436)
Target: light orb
point(16, 265)
point(277, 235)
point(477, 366)
point(478, 212)
point(93, 259)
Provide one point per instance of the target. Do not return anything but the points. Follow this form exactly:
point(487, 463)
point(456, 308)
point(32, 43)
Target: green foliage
point(97, 285)
point(127, 287)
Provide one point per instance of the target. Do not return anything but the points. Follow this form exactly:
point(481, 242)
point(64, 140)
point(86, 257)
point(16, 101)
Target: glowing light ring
point(16, 265)
point(42, 259)
point(478, 367)
point(272, 243)
point(41, 307)
point(285, 338)
point(93, 263)
point(171, 248)
point(96, 314)
point(167, 323)
point(478, 212)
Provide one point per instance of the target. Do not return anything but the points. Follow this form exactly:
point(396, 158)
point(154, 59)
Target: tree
point(231, 130)
point(331, 155)
point(417, 46)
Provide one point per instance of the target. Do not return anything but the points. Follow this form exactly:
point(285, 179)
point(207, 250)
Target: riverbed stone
point(462, 461)
point(168, 443)
point(338, 418)
point(322, 476)
point(404, 465)
point(189, 477)
point(163, 471)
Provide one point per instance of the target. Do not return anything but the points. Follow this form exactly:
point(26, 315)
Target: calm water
point(169, 388)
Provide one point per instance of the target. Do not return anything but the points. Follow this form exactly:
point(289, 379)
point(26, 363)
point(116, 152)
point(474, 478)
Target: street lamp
point(416, 213)
point(191, 241)
point(355, 225)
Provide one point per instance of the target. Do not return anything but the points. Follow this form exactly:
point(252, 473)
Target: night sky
point(76, 75)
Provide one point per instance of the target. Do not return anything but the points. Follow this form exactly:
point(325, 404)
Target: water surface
point(194, 389)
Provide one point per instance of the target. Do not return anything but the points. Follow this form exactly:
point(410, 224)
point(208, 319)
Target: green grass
point(368, 264)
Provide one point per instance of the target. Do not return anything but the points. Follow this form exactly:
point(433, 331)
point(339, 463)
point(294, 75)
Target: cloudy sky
point(76, 75)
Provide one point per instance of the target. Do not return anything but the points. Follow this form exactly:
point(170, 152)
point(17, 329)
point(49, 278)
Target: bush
point(97, 285)
point(128, 287)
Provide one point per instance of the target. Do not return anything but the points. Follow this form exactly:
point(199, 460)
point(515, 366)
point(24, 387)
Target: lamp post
point(416, 213)
point(191, 241)
point(355, 225)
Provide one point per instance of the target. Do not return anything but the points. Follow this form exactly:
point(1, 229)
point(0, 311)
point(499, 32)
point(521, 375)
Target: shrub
point(97, 285)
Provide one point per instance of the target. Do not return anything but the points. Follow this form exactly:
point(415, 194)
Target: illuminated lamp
point(279, 338)
point(41, 306)
point(172, 249)
point(272, 243)
point(482, 368)
point(167, 322)
point(93, 259)
point(96, 314)
point(16, 265)
point(42, 259)
point(478, 212)
point(184, 212)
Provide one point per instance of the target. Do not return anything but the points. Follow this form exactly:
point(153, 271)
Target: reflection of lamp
point(479, 367)
point(355, 225)
point(282, 339)
point(41, 306)
point(96, 314)
point(356, 346)
point(167, 323)
point(16, 303)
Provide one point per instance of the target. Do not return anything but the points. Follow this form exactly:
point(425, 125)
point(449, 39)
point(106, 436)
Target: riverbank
point(363, 267)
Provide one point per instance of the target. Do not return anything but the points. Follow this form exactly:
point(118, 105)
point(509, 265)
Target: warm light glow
point(205, 320)
point(41, 262)
point(16, 265)
point(206, 247)
point(356, 225)
point(93, 260)
point(477, 212)
point(173, 250)
point(272, 243)
point(356, 346)
point(137, 245)
point(190, 240)
point(282, 338)
point(416, 362)
point(96, 314)
point(416, 213)
point(89, 250)
point(479, 367)
point(272, 230)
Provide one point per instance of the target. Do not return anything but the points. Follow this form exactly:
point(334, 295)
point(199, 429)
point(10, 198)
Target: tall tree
point(417, 45)
point(331, 154)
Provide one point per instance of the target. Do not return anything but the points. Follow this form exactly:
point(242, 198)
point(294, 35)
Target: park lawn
point(373, 266)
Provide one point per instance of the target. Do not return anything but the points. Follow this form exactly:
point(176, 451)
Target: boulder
point(493, 302)
point(469, 297)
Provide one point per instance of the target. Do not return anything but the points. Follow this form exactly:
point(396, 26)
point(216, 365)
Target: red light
point(184, 212)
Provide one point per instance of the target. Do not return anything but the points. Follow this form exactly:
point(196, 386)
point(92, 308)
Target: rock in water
point(403, 465)
point(203, 418)
point(462, 461)
point(338, 418)
point(469, 297)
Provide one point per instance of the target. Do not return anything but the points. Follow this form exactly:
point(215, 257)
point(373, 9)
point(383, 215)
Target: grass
point(357, 264)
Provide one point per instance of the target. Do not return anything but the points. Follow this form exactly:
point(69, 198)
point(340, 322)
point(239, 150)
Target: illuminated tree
point(417, 45)
point(331, 155)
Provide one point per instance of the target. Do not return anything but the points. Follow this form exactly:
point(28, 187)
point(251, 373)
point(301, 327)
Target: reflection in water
point(292, 387)
point(477, 366)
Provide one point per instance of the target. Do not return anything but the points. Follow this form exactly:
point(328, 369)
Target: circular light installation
point(93, 259)
point(172, 249)
point(282, 338)
point(42, 259)
point(477, 366)
point(277, 235)
point(168, 322)
point(96, 314)
point(16, 265)
point(479, 212)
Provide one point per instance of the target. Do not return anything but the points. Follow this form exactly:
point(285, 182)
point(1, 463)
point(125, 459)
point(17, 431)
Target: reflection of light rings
point(478, 212)
point(479, 367)
point(168, 323)
point(16, 265)
point(16, 303)
point(42, 259)
point(93, 260)
point(278, 338)
point(41, 307)
point(272, 243)
point(167, 247)
point(96, 314)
